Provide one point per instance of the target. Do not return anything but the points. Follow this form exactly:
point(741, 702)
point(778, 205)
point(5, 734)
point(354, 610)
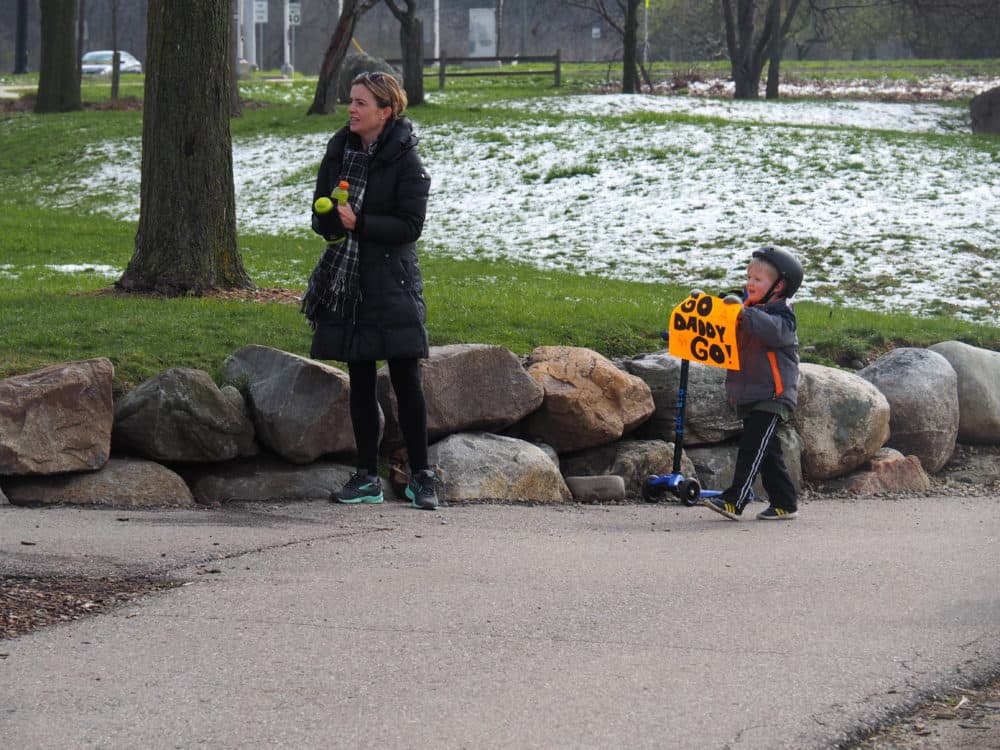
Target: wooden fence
point(456, 67)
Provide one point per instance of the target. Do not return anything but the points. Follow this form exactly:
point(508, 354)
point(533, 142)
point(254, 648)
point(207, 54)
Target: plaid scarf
point(335, 283)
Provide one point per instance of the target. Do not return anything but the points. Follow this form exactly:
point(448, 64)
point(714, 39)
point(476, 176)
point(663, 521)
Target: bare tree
point(930, 28)
point(325, 100)
point(623, 17)
point(749, 50)
point(186, 240)
point(411, 42)
point(59, 71)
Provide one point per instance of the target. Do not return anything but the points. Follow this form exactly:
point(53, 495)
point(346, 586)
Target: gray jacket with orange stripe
point(769, 359)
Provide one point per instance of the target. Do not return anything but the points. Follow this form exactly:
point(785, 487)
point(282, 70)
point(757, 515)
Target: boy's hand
point(696, 293)
point(732, 299)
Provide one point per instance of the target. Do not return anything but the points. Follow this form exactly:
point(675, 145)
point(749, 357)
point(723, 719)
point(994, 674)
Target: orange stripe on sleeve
point(779, 387)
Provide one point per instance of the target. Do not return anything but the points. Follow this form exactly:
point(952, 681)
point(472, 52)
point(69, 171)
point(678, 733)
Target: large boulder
point(842, 418)
point(708, 418)
point(300, 407)
point(467, 387)
point(484, 466)
point(978, 372)
point(632, 460)
point(181, 415)
point(121, 483)
point(888, 472)
point(57, 419)
point(922, 390)
point(985, 111)
point(265, 479)
point(588, 401)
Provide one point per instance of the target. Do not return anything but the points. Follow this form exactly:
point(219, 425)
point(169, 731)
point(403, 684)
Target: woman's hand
point(347, 216)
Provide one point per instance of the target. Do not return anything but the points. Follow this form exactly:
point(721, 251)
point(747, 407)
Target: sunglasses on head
point(373, 77)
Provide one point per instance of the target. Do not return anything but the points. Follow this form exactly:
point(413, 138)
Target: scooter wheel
point(689, 492)
point(652, 493)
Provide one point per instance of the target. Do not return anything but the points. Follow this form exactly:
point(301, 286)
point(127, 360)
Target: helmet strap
point(767, 297)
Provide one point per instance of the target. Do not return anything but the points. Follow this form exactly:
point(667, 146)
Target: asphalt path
point(311, 625)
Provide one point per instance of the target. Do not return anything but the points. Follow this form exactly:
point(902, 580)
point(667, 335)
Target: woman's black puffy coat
point(389, 321)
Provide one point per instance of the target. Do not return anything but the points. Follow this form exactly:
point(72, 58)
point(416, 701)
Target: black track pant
point(405, 377)
point(760, 453)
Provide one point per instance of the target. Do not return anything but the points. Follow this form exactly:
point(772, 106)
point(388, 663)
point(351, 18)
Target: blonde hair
point(386, 90)
point(772, 272)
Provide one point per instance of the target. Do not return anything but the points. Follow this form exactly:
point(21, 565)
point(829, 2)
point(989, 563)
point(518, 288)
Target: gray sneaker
point(777, 514)
point(361, 488)
point(422, 490)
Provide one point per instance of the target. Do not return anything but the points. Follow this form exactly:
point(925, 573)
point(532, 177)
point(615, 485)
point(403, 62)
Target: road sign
point(295, 14)
point(260, 11)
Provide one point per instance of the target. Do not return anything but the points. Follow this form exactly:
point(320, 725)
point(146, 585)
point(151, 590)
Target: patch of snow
point(109, 272)
point(883, 218)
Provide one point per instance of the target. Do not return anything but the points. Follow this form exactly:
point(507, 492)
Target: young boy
point(765, 388)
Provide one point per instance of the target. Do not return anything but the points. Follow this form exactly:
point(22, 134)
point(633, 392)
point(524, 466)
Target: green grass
point(49, 316)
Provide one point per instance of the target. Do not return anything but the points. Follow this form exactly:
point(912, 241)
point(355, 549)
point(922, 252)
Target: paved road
point(316, 626)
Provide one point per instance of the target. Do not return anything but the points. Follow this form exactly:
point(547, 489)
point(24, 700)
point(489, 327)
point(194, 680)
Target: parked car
point(99, 62)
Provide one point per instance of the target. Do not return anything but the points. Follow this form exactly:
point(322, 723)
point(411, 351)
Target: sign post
point(294, 18)
point(259, 19)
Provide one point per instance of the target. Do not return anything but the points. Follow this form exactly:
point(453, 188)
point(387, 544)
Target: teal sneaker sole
point(369, 499)
point(413, 501)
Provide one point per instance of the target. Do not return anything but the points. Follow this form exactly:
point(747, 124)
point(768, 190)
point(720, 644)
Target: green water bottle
point(340, 193)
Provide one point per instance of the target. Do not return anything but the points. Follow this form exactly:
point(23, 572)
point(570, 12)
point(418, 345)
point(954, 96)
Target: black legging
point(412, 411)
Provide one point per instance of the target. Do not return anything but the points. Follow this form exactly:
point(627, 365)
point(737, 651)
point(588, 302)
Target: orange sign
point(703, 329)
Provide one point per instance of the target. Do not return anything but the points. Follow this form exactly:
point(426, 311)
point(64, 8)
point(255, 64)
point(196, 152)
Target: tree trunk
point(325, 99)
point(116, 64)
point(773, 49)
point(21, 38)
point(235, 106)
point(411, 42)
point(748, 55)
point(186, 240)
point(739, 40)
point(630, 79)
point(411, 39)
point(58, 73)
point(81, 26)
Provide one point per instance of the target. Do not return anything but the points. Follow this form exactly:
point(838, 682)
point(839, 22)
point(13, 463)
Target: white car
point(99, 62)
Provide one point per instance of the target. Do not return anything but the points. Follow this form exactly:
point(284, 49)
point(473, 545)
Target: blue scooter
point(686, 489)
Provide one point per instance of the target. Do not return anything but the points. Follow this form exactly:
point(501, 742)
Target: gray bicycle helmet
point(787, 265)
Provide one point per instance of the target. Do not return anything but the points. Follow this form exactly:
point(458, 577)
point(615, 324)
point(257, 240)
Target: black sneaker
point(361, 488)
point(777, 514)
point(422, 490)
point(723, 506)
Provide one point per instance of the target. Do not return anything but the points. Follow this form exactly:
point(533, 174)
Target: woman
point(364, 299)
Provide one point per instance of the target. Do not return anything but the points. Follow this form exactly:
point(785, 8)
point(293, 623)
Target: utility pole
point(286, 69)
point(249, 34)
point(437, 30)
point(645, 35)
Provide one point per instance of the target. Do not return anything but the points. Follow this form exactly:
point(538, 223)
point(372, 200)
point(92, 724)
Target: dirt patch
point(969, 719)
point(27, 604)
point(26, 103)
